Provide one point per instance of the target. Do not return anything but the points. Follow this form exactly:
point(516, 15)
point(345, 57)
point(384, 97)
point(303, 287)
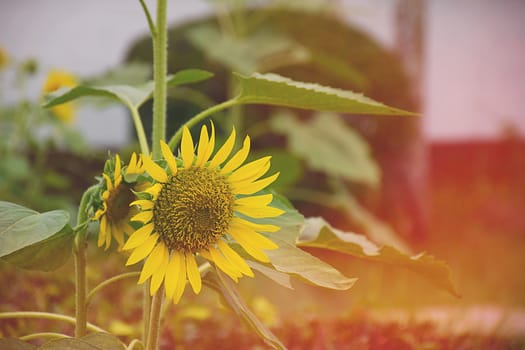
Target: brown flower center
point(118, 203)
point(194, 209)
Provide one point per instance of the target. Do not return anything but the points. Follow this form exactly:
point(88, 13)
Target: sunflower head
point(55, 80)
point(115, 208)
point(196, 207)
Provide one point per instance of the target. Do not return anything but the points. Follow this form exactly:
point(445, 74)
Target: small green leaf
point(318, 233)
point(21, 227)
point(333, 146)
point(46, 255)
point(132, 96)
point(94, 341)
point(273, 89)
point(224, 285)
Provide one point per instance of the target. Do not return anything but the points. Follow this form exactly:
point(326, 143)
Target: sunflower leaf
point(21, 227)
point(317, 233)
point(46, 255)
point(273, 89)
point(15, 344)
point(223, 285)
point(331, 145)
point(132, 96)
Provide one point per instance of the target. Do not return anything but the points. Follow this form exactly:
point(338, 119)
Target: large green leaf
point(224, 285)
point(15, 344)
point(273, 89)
point(333, 146)
point(46, 255)
point(94, 341)
point(318, 233)
point(279, 277)
point(132, 96)
point(247, 54)
point(21, 227)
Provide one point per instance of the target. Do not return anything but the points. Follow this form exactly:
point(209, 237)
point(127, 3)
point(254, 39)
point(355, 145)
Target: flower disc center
point(118, 203)
point(193, 209)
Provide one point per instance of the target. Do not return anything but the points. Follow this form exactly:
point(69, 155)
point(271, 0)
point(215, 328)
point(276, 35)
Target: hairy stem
point(139, 128)
point(108, 282)
point(159, 76)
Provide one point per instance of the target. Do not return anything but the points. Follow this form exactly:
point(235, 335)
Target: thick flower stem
point(159, 76)
point(154, 321)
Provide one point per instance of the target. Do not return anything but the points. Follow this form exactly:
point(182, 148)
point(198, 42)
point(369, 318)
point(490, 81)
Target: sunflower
point(115, 214)
point(196, 208)
point(55, 80)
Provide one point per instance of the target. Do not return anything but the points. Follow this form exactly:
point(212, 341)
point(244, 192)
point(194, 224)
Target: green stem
point(151, 25)
point(80, 265)
point(108, 282)
point(48, 316)
point(155, 318)
point(143, 141)
point(135, 343)
point(51, 335)
point(146, 310)
point(159, 76)
point(175, 140)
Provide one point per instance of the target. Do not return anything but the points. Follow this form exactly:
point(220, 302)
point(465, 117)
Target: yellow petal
point(234, 258)
point(154, 190)
point(187, 148)
point(153, 261)
point(194, 276)
point(168, 155)
point(142, 250)
point(224, 151)
point(254, 187)
point(251, 170)
point(255, 201)
point(155, 170)
point(238, 158)
point(172, 273)
point(211, 144)
point(109, 184)
point(223, 264)
point(259, 212)
point(158, 275)
point(143, 216)
point(109, 231)
point(144, 204)
point(245, 243)
point(132, 166)
point(102, 232)
point(118, 233)
point(118, 174)
point(245, 224)
point(138, 237)
point(180, 278)
point(202, 147)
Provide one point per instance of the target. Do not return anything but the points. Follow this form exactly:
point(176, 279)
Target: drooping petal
point(168, 155)
point(153, 261)
point(139, 236)
point(172, 274)
point(181, 277)
point(255, 186)
point(118, 232)
point(234, 258)
point(202, 147)
point(224, 264)
point(102, 232)
point(155, 170)
point(186, 148)
point(239, 158)
point(246, 244)
point(109, 184)
point(160, 272)
point(194, 276)
point(143, 250)
point(251, 170)
point(224, 152)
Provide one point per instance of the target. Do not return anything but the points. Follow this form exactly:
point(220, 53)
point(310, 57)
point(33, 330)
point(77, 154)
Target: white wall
point(475, 79)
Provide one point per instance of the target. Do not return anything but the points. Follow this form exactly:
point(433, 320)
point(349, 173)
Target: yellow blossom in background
point(55, 80)
point(4, 58)
point(116, 212)
point(196, 208)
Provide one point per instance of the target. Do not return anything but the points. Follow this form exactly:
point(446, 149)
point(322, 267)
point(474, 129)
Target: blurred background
point(450, 183)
